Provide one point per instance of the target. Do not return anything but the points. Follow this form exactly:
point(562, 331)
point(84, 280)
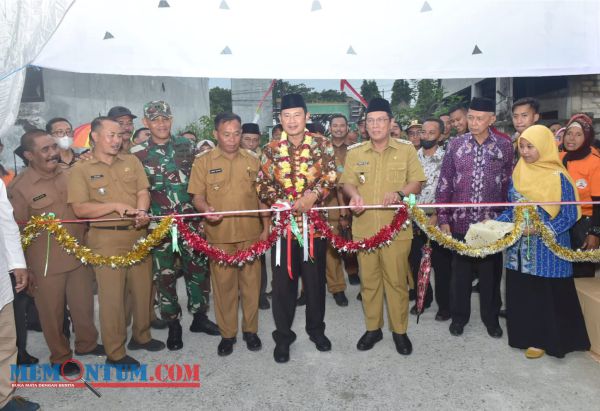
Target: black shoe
point(281, 354)
point(174, 341)
point(125, 361)
point(70, 368)
point(226, 346)
point(159, 324)
point(252, 341)
point(369, 339)
point(24, 358)
point(502, 313)
point(354, 279)
point(202, 324)
point(442, 315)
point(152, 345)
point(98, 351)
point(456, 329)
point(403, 344)
point(301, 300)
point(17, 403)
point(321, 342)
point(495, 331)
point(263, 303)
point(340, 299)
point(359, 297)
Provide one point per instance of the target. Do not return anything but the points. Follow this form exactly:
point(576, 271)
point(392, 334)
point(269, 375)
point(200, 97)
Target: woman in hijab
point(583, 163)
point(543, 313)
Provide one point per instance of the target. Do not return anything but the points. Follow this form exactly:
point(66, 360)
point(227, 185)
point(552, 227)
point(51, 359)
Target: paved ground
point(444, 372)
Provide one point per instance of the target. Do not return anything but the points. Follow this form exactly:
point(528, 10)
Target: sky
point(385, 86)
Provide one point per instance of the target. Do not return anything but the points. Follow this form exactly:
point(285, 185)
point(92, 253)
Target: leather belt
point(115, 227)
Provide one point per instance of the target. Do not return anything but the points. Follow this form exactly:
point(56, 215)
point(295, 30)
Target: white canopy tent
point(305, 39)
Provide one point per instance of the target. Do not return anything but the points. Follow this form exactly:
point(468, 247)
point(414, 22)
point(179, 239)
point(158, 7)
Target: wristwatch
point(401, 194)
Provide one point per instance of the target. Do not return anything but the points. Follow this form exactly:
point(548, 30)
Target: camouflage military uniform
point(168, 169)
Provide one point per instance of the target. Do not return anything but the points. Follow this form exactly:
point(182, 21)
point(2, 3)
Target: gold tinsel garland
point(445, 240)
point(139, 251)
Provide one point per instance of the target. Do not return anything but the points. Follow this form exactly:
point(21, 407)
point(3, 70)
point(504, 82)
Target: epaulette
point(355, 145)
point(203, 153)
point(252, 153)
point(400, 140)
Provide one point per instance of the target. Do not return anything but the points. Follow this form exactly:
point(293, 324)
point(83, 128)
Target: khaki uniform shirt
point(340, 159)
point(228, 185)
point(97, 182)
point(375, 174)
point(32, 194)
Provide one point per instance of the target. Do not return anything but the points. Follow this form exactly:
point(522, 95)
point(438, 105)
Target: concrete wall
point(452, 86)
point(81, 97)
point(245, 97)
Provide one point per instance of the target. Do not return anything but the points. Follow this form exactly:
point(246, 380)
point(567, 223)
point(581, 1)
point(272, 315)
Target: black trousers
point(263, 276)
point(285, 290)
point(441, 260)
point(489, 270)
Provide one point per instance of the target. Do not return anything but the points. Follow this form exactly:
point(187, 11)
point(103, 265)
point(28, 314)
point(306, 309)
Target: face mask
point(427, 144)
point(64, 142)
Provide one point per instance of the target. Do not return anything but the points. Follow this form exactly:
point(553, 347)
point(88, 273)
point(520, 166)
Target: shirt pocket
point(217, 184)
point(99, 190)
point(130, 183)
point(396, 173)
point(42, 204)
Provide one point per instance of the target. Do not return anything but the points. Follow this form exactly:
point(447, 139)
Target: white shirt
point(11, 253)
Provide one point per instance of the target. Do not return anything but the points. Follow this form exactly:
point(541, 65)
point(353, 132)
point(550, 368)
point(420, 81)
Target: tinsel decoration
point(139, 251)
point(445, 240)
point(382, 238)
point(240, 257)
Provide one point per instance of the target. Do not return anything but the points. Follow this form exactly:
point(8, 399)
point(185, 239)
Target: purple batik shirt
point(473, 173)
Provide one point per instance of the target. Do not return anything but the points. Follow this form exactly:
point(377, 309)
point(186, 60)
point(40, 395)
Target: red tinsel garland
point(240, 257)
point(383, 236)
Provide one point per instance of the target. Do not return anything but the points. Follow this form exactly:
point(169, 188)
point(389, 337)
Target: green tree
point(402, 94)
point(202, 128)
point(369, 90)
point(220, 100)
point(430, 95)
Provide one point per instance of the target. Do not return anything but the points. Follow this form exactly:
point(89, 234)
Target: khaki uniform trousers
point(77, 286)
point(336, 281)
point(229, 284)
point(8, 351)
point(113, 286)
point(385, 271)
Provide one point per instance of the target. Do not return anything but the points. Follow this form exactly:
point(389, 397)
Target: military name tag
point(36, 198)
point(97, 176)
point(215, 170)
point(362, 163)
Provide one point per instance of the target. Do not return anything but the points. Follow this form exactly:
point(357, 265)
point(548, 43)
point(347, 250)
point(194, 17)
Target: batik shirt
point(431, 166)
point(168, 168)
point(321, 175)
point(473, 173)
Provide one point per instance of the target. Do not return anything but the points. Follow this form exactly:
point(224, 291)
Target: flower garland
point(240, 257)
point(291, 189)
point(139, 251)
point(381, 238)
point(445, 240)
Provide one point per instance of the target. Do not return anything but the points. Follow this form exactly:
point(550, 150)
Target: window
point(33, 90)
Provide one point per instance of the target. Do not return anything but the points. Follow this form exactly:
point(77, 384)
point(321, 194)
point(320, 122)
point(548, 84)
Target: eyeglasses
point(62, 133)
point(379, 121)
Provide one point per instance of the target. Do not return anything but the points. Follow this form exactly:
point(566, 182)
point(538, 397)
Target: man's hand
point(304, 203)
point(391, 198)
point(357, 204)
point(125, 210)
point(591, 242)
point(88, 155)
point(141, 218)
point(213, 217)
point(445, 228)
point(21, 279)
point(264, 235)
point(433, 220)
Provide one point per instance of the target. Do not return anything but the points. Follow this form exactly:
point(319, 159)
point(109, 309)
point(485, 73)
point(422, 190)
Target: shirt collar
point(35, 176)
point(392, 143)
point(217, 152)
point(492, 138)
